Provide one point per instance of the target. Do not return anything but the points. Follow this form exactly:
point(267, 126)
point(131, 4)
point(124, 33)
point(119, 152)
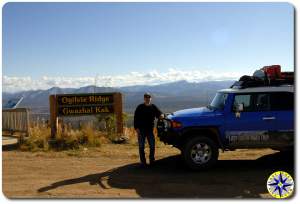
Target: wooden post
point(118, 109)
point(53, 116)
point(27, 122)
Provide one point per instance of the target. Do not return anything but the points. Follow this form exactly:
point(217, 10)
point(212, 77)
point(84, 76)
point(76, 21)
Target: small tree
point(110, 124)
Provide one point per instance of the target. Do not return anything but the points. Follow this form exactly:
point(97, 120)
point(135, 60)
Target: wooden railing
point(15, 121)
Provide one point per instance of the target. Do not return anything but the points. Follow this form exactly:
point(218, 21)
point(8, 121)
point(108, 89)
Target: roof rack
point(266, 76)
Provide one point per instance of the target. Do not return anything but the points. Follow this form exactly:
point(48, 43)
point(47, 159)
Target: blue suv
point(255, 117)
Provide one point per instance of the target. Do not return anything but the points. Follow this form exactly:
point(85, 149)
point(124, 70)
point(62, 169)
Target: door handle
point(268, 118)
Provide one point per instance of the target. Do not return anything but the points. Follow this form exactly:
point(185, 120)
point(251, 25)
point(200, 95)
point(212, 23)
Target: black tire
point(288, 152)
point(190, 157)
point(285, 150)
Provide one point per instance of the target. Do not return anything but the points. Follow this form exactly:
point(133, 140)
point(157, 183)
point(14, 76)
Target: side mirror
point(240, 107)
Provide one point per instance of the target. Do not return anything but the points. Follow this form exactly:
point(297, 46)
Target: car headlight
point(176, 124)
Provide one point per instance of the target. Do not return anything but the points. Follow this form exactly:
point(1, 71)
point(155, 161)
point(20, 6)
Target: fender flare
point(213, 129)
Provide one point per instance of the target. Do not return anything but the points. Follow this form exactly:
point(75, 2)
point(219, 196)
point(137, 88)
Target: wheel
point(288, 152)
point(200, 153)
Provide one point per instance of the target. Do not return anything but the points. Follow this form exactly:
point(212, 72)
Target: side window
point(281, 101)
point(262, 102)
point(245, 99)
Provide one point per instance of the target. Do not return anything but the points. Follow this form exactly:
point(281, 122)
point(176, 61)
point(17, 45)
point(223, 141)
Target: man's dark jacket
point(144, 116)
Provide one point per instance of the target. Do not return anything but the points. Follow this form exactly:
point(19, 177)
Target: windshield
point(219, 101)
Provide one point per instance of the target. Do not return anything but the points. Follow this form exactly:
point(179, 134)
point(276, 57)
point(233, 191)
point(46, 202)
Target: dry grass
point(75, 139)
point(37, 140)
point(131, 136)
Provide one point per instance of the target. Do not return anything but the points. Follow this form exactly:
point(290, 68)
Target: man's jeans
point(151, 141)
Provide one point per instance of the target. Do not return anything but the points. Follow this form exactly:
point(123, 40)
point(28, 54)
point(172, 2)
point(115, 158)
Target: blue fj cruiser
point(247, 117)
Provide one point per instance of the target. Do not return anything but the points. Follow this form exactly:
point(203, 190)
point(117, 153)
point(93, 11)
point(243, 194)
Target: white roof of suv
point(283, 88)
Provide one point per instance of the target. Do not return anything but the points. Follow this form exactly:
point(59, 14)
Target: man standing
point(144, 116)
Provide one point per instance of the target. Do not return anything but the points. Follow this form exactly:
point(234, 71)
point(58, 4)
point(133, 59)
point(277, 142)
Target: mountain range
point(168, 97)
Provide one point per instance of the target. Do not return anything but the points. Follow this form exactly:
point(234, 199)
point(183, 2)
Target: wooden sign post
point(85, 104)
point(53, 116)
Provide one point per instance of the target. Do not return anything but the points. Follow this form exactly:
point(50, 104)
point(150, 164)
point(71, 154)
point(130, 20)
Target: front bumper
point(166, 133)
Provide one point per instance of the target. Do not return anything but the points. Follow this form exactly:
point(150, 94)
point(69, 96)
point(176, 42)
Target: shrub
point(73, 139)
point(68, 138)
point(110, 125)
point(37, 140)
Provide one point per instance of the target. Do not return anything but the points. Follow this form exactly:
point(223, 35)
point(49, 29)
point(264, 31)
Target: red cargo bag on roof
point(273, 71)
point(287, 75)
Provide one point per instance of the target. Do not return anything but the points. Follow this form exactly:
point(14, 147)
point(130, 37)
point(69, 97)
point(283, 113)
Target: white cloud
point(13, 84)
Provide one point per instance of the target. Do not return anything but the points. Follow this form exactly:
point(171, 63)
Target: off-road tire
point(187, 152)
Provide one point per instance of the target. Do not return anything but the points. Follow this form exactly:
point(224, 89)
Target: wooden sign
point(85, 104)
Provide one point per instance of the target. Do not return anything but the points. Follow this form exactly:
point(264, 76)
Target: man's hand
point(161, 116)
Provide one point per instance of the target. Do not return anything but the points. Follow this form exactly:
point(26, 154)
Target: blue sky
point(113, 39)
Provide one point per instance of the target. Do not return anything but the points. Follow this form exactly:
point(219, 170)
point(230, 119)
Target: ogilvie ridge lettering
point(74, 100)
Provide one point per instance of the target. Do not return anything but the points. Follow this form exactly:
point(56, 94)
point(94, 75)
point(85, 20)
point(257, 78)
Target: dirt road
point(112, 172)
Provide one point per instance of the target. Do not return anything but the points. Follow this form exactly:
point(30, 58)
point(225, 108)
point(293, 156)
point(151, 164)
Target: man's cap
point(147, 95)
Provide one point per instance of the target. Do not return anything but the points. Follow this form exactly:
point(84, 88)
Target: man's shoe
point(152, 162)
point(143, 165)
